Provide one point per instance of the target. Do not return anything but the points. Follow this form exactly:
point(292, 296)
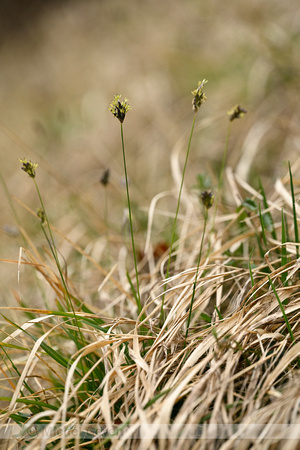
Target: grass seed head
point(207, 199)
point(28, 167)
point(104, 179)
point(199, 96)
point(118, 108)
point(41, 215)
point(236, 112)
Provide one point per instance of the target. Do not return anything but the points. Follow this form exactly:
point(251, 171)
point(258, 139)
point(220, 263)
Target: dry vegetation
point(82, 366)
point(238, 366)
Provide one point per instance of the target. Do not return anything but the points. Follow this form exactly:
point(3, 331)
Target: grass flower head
point(28, 167)
point(199, 96)
point(236, 112)
point(118, 108)
point(41, 215)
point(104, 179)
point(207, 199)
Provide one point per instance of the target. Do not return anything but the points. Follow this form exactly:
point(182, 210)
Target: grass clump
point(203, 353)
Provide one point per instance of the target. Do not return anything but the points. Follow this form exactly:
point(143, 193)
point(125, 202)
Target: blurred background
point(63, 61)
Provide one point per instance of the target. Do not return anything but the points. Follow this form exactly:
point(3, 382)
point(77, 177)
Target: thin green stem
point(220, 182)
point(176, 216)
point(196, 275)
point(106, 224)
point(139, 305)
point(53, 246)
point(55, 255)
point(284, 258)
point(224, 158)
point(221, 176)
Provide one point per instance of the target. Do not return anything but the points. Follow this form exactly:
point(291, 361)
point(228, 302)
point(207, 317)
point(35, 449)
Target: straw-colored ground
point(123, 379)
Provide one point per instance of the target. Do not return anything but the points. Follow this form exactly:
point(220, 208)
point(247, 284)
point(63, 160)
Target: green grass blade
point(159, 395)
point(61, 360)
point(16, 347)
point(27, 401)
point(134, 293)
point(263, 233)
point(219, 313)
point(284, 258)
point(294, 211)
point(205, 317)
point(266, 207)
point(261, 250)
point(251, 273)
point(19, 418)
point(282, 310)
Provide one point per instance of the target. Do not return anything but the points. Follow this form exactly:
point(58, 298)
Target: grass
point(112, 374)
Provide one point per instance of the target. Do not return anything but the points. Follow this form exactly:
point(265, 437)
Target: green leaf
point(249, 204)
point(27, 401)
point(268, 221)
point(205, 317)
point(219, 313)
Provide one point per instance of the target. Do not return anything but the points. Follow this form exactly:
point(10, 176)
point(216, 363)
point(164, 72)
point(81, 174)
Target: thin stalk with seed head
point(199, 98)
point(179, 198)
point(30, 168)
point(53, 249)
point(119, 109)
point(235, 113)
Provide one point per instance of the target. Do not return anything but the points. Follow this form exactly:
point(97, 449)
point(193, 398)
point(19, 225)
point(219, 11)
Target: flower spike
point(118, 108)
point(199, 96)
point(207, 199)
point(28, 167)
point(236, 112)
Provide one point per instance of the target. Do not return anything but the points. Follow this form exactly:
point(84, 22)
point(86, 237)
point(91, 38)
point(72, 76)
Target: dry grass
point(237, 370)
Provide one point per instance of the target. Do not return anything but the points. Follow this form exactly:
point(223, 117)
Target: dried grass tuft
point(132, 383)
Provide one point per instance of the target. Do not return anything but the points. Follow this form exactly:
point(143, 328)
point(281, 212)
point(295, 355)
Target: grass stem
point(196, 275)
point(138, 298)
point(176, 216)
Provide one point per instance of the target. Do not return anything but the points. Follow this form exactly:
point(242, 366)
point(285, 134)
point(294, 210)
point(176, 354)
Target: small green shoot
point(219, 313)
